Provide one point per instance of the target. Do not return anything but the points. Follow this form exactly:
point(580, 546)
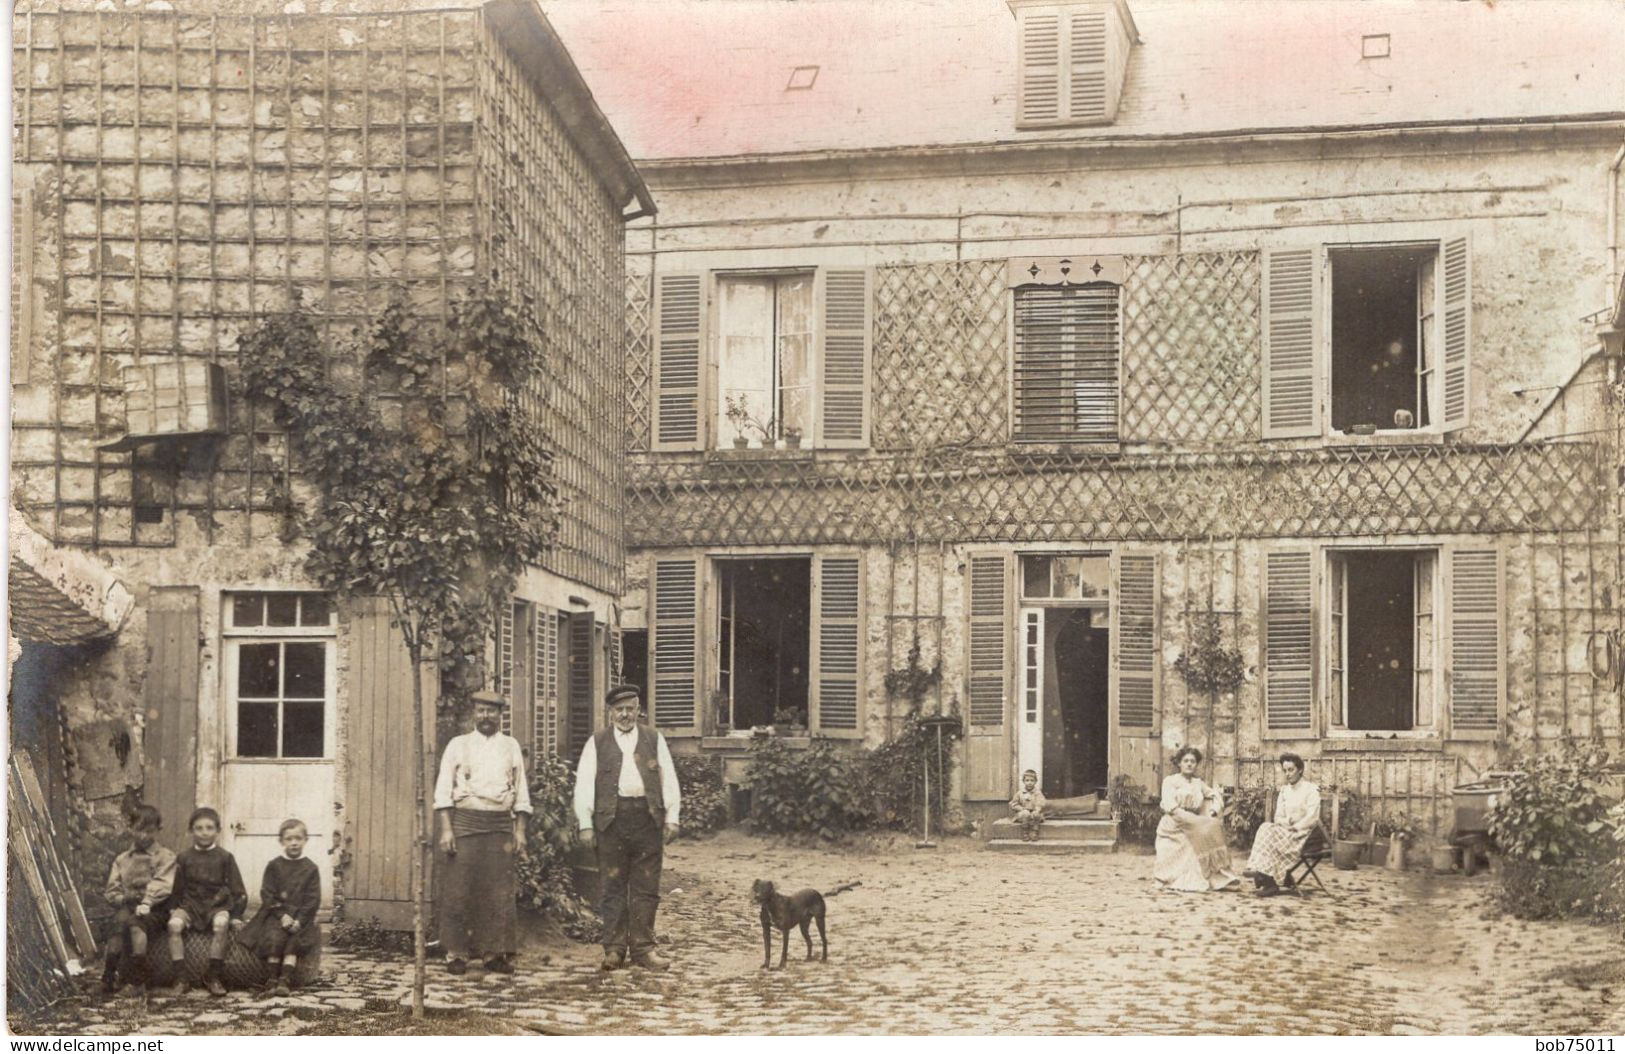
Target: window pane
point(303, 731)
point(1095, 576)
point(315, 609)
point(247, 609)
point(795, 353)
point(258, 671)
point(1035, 577)
point(745, 357)
point(307, 670)
point(282, 609)
point(256, 730)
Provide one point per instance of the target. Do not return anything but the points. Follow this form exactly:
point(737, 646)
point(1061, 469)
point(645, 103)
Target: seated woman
point(1191, 854)
point(1277, 845)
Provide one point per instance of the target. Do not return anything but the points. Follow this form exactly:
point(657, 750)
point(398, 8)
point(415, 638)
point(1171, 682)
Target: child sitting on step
point(1029, 806)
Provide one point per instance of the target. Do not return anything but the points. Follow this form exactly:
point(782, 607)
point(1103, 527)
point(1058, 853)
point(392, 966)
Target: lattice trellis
point(997, 495)
point(940, 355)
point(1190, 348)
point(639, 360)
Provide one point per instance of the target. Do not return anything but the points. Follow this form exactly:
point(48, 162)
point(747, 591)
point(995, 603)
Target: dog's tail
point(838, 890)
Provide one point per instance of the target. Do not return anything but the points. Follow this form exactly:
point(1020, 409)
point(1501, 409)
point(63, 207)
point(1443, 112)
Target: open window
point(1383, 641)
point(764, 618)
point(754, 358)
point(1382, 368)
point(1367, 339)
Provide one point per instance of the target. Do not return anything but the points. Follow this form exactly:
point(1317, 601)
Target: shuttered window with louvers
point(1288, 642)
point(987, 639)
point(839, 641)
point(1067, 363)
point(1040, 68)
point(1475, 642)
point(1137, 679)
point(680, 334)
point(676, 621)
point(1086, 66)
point(844, 367)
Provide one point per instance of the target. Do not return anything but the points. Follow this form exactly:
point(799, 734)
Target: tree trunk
point(420, 839)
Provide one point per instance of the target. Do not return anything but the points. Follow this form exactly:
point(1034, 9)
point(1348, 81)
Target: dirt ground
point(958, 939)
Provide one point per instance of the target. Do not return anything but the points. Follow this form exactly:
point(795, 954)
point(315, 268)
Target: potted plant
point(739, 415)
point(792, 437)
point(1351, 844)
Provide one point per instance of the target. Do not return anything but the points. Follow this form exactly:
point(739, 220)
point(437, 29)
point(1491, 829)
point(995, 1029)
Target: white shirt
point(1297, 805)
point(481, 772)
point(630, 781)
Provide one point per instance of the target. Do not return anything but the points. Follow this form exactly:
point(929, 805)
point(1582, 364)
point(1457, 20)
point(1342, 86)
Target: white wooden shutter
point(1138, 686)
point(674, 644)
point(1039, 61)
point(1288, 642)
point(987, 637)
point(679, 350)
point(844, 342)
point(837, 666)
point(1086, 66)
point(1292, 322)
point(1476, 680)
point(1457, 284)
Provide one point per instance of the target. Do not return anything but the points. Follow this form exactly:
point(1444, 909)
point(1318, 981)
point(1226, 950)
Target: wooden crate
point(164, 399)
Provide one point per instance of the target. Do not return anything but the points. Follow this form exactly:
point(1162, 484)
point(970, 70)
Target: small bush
point(1560, 838)
point(705, 798)
point(1244, 814)
point(807, 791)
point(891, 777)
point(543, 869)
point(1138, 813)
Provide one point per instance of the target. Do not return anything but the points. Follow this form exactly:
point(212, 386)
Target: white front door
point(279, 668)
point(1030, 700)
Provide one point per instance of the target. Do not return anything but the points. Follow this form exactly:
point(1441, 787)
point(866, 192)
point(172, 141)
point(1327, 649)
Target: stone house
point(1236, 380)
point(182, 171)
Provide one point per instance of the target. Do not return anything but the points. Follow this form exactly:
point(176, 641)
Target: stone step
point(1098, 830)
point(1016, 845)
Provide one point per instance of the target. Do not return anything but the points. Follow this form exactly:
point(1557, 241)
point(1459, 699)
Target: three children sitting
point(153, 890)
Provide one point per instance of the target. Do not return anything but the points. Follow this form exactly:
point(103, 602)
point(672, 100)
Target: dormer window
point(1071, 59)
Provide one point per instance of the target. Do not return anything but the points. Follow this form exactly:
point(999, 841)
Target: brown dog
point(787, 913)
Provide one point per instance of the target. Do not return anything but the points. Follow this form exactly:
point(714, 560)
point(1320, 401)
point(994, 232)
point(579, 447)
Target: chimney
point(1071, 57)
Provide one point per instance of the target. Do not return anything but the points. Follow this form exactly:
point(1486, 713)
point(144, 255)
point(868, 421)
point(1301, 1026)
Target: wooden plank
point(21, 838)
point(171, 703)
point(44, 844)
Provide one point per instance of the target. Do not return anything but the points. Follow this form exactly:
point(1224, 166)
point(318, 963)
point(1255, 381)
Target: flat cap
point(623, 691)
point(486, 697)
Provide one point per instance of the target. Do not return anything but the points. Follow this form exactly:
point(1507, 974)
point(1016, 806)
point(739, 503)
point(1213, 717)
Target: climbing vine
point(433, 487)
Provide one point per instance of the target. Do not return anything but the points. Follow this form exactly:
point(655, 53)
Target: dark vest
point(607, 789)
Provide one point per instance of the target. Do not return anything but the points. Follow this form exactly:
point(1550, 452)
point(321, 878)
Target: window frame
point(233, 637)
point(1334, 708)
point(1429, 342)
point(1029, 272)
point(715, 403)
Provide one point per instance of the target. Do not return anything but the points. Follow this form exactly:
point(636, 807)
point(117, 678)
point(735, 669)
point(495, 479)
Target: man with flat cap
point(626, 802)
point(481, 803)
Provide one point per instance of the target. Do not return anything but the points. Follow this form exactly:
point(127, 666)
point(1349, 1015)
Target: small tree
point(432, 487)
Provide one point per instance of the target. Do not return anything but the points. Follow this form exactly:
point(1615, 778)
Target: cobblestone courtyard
point(961, 940)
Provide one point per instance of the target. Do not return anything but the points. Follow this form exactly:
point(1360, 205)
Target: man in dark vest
point(626, 801)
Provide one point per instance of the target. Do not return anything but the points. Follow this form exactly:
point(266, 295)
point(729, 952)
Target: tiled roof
point(43, 614)
point(708, 78)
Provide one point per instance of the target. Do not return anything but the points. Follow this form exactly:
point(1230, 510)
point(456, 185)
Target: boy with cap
point(627, 801)
point(481, 803)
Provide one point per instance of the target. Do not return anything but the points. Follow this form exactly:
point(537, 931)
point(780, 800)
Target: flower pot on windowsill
point(792, 439)
point(741, 442)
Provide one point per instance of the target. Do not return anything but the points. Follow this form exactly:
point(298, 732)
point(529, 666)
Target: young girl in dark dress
point(285, 927)
point(209, 898)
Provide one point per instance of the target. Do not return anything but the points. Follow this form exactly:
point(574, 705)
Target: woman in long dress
point(1191, 853)
point(1277, 845)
